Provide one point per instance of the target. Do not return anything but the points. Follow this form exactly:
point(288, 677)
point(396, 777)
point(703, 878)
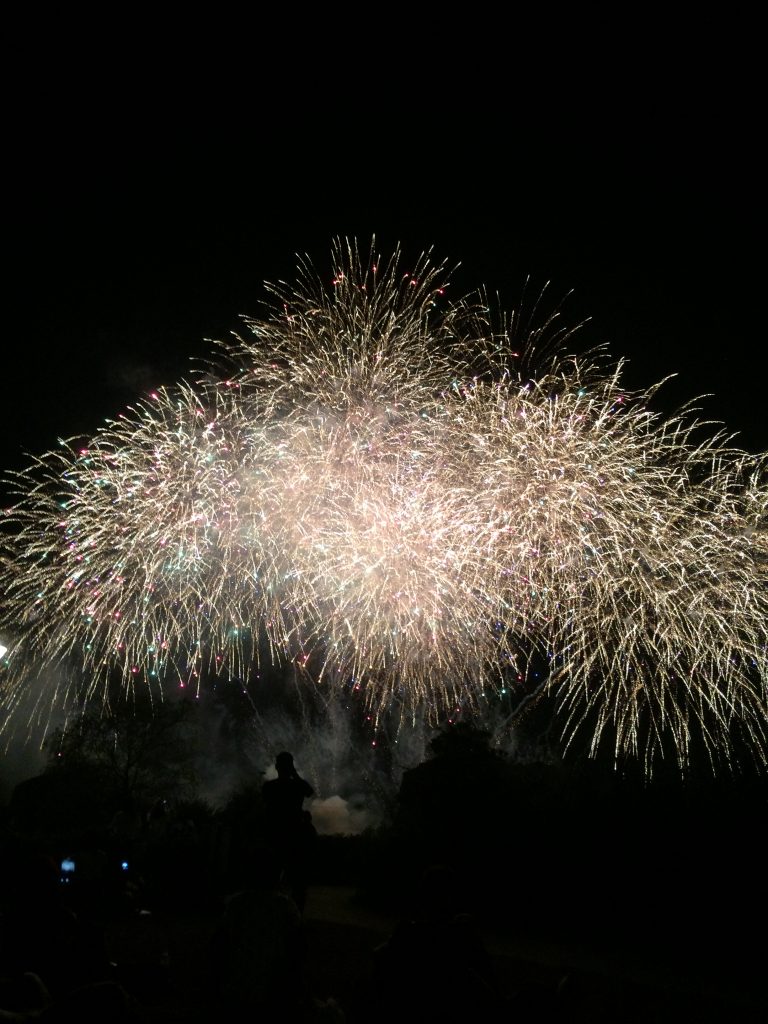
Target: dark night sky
point(156, 173)
point(122, 260)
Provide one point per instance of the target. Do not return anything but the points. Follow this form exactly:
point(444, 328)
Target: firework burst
point(401, 497)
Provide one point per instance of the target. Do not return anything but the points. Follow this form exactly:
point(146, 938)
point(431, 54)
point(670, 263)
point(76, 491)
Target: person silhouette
point(289, 827)
point(256, 954)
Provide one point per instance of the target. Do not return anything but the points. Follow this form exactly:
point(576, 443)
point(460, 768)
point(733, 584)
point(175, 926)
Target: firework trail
point(403, 498)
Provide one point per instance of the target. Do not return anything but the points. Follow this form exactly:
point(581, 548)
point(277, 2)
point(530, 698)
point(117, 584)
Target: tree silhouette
point(141, 752)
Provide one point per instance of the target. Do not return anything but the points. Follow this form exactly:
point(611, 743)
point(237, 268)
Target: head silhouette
point(284, 764)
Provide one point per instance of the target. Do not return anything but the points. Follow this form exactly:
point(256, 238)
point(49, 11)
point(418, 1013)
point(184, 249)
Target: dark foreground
point(538, 980)
point(501, 892)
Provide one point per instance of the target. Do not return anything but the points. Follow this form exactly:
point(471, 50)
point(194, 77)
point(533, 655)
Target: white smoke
point(336, 816)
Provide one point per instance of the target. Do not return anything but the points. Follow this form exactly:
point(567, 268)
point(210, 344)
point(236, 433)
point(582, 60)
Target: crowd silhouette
point(172, 913)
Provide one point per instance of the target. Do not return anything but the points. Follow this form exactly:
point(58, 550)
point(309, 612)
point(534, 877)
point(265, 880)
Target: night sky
point(124, 254)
